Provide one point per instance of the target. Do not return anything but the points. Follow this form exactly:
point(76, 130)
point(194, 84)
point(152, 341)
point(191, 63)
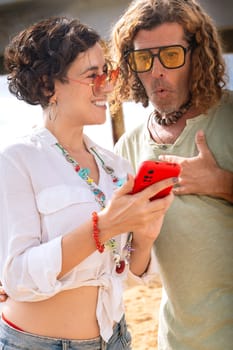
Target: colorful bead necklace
point(100, 198)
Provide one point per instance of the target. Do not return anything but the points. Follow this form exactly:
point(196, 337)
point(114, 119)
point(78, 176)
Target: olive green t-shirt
point(195, 247)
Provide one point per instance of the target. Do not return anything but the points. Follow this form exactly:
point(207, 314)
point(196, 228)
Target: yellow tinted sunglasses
point(171, 57)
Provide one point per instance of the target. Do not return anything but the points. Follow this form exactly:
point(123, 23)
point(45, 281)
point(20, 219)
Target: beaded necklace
point(100, 198)
point(170, 118)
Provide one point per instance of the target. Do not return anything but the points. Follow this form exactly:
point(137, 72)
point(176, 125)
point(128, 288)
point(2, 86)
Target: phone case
point(153, 171)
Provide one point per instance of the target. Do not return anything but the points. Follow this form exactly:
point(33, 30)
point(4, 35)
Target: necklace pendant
point(120, 267)
point(83, 173)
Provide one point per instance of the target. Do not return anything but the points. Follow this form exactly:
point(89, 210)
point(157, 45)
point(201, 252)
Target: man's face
point(166, 88)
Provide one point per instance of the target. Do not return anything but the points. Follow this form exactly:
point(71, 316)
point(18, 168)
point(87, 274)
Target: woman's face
point(76, 103)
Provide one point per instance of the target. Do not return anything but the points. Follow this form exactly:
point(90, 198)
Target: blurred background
point(16, 116)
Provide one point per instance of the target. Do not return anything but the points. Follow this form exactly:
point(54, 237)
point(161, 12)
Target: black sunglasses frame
point(153, 55)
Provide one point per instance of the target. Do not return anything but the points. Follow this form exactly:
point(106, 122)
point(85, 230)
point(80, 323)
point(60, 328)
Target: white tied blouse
point(41, 199)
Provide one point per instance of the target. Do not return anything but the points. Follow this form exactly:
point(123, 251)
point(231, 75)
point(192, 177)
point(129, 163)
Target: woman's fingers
point(130, 212)
point(152, 190)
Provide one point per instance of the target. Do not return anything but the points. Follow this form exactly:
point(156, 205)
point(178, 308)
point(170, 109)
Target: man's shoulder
point(222, 111)
point(133, 134)
point(227, 99)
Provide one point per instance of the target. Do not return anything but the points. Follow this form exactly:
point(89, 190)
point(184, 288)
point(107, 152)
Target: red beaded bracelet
point(96, 232)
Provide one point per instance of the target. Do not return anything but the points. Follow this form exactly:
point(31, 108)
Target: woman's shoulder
point(23, 145)
point(15, 145)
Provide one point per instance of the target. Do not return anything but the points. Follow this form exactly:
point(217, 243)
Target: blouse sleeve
point(151, 273)
point(29, 268)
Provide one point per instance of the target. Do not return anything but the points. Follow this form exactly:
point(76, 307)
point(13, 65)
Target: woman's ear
point(53, 100)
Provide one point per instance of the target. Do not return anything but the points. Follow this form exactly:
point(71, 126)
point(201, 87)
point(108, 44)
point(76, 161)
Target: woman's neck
point(71, 138)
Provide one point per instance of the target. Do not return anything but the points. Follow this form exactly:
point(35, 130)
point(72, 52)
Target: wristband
point(99, 245)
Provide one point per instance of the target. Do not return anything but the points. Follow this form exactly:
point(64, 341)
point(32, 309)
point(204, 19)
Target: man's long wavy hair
point(207, 65)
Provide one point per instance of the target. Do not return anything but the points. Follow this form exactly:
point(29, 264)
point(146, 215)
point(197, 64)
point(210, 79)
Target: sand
point(142, 308)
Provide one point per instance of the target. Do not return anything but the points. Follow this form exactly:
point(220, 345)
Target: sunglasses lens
point(113, 75)
point(172, 57)
point(100, 81)
point(140, 61)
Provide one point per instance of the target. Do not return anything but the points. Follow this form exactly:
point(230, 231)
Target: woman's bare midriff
point(70, 314)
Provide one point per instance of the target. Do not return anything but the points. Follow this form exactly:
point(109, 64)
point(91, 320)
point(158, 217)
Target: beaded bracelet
point(96, 232)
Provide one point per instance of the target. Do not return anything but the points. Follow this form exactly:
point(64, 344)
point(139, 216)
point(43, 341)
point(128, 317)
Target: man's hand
point(201, 174)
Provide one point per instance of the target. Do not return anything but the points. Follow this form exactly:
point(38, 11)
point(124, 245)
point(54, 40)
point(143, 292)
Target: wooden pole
point(117, 120)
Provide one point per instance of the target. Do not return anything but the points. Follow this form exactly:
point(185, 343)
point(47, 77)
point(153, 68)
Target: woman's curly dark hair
point(42, 53)
point(207, 64)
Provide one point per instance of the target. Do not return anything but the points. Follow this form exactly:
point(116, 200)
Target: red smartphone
point(150, 172)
